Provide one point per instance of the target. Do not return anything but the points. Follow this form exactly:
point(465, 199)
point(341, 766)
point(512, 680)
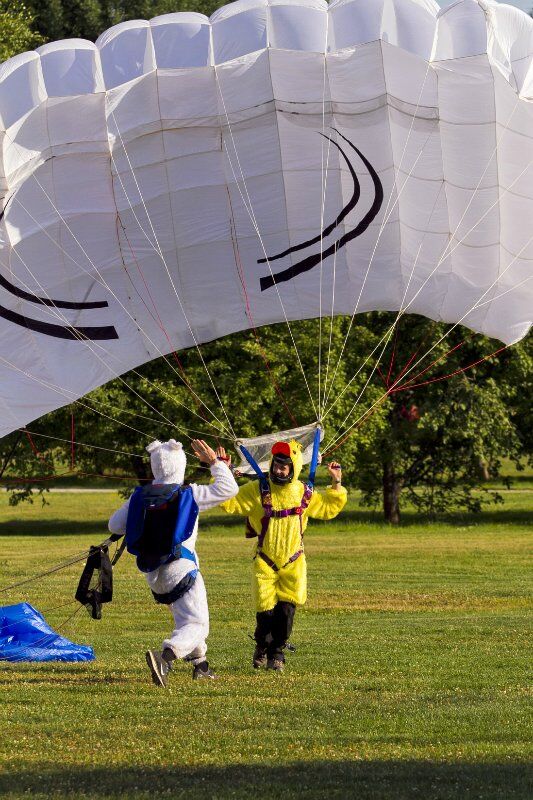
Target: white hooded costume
point(190, 612)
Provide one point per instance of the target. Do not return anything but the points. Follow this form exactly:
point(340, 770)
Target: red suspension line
point(450, 375)
point(240, 271)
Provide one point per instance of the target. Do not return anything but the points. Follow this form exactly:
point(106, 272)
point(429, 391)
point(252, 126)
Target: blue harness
point(161, 517)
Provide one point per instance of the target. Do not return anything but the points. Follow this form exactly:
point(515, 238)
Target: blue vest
point(160, 518)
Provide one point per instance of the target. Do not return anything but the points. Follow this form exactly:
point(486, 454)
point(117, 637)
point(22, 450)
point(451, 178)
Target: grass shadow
point(364, 780)
point(409, 519)
point(54, 527)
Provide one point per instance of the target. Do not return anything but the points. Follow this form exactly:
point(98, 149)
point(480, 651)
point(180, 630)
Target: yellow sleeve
point(245, 501)
point(328, 505)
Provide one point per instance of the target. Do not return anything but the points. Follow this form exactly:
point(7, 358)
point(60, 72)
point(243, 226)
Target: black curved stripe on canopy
point(311, 261)
point(5, 206)
point(331, 227)
point(60, 331)
point(44, 301)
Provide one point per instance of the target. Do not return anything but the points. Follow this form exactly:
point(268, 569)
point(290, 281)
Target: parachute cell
point(152, 180)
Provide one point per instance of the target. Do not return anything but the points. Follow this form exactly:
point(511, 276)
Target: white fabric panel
point(126, 52)
point(147, 178)
point(461, 31)
point(181, 41)
point(21, 87)
point(71, 68)
point(410, 26)
point(241, 33)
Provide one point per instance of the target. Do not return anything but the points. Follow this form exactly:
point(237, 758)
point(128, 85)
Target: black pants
point(274, 628)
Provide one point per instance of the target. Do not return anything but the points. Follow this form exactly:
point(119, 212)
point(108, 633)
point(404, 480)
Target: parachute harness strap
point(269, 513)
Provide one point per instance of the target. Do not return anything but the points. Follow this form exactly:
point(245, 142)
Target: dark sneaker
point(275, 664)
point(259, 658)
point(159, 667)
point(202, 671)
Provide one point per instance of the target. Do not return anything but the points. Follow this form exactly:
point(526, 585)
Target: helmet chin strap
point(281, 480)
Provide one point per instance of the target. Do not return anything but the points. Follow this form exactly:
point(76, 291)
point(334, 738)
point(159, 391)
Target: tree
point(87, 19)
point(423, 443)
point(16, 33)
point(437, 433)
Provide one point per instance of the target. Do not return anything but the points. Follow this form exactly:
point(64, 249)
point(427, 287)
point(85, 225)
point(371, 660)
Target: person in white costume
point(182, 576)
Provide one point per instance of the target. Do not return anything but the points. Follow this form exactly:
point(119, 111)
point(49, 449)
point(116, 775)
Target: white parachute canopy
point(186, 178)
point(260, 447)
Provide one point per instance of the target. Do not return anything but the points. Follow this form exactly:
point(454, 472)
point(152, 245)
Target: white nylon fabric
point(260, 447)
point(438, 102)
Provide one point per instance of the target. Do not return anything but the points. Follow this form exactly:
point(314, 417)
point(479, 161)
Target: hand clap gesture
point(203, 452)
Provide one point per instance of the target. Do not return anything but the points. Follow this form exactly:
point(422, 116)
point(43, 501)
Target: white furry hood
point(168, 461)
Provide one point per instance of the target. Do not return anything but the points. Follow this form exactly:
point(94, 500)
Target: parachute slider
point(260, 447)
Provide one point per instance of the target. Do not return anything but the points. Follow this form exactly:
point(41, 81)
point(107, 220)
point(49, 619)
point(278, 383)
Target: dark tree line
point(434, 444)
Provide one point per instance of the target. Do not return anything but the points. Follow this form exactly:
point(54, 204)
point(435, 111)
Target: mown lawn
point(410, 678)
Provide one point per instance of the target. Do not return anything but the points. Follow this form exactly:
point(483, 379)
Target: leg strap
point(273, 565)
point(181, 588)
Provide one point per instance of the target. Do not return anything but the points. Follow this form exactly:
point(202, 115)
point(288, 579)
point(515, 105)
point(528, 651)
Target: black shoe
point(275, 664)
point(202, 671)
point(260, 657)
point(159, 667)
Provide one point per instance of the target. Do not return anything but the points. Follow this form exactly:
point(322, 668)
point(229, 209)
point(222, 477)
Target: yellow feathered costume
point(277, 578)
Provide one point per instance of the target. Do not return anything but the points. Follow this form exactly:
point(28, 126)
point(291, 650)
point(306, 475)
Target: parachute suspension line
point(101, 280)
point(72, 450)
point(10, 455)
point(36, 452)
point(436, 361)
point(78, 444)
point(407, 386)
point(459, 371)
point(460, 241)
point(494, 152)
point(68, 395)
point(158, 250)
point(384, 339)
point(371, 261)
point(330, 339)
point(78, 334)
point(387, 214)
point(157, 317)
point(75, 559)
point(436, 344)
point(445, 254)
point(324, 175)
point(248, 308)
point(414, 354)
point(181, 373)
point(249, 208)
point(56, 314)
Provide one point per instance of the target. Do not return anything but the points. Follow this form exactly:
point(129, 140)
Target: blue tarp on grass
point(26, 636)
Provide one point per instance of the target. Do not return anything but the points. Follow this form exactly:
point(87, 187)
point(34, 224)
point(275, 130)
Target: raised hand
point(203, 452)
point(334, 469)
point(223, 456)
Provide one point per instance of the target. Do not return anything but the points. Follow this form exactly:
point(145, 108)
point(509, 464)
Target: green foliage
point(16, 33)
point(433, 444)
point(87, 19)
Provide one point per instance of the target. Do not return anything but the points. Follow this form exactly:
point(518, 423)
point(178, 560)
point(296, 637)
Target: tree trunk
point(484, 473)
point(392, 487)
point(141, 470)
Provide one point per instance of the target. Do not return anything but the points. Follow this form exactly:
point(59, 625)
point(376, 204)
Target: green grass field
point(410, 679)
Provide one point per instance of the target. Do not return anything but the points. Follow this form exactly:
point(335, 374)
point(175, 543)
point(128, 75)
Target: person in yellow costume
point(277, 512)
